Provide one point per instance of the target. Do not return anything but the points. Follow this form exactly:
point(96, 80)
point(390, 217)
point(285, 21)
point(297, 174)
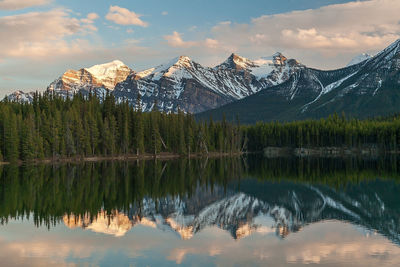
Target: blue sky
point(43, 38)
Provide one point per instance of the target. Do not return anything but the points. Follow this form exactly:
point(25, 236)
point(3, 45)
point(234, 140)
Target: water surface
point(248, 211)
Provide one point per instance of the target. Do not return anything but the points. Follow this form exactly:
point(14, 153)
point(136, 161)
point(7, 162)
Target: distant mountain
point(178, 84)
point(99, 78)
point(20, 96)
point(266, 89)
point(369, 88)
point(358, 59)
point(187, 85)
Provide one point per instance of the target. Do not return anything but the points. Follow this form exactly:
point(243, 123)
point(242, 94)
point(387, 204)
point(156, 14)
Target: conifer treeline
point(53, 127)
point(334, 131)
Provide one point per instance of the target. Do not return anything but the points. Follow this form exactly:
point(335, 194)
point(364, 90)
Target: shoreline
point(326, 151)
point(131, 157)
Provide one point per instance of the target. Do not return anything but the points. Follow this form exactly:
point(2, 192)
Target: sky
point(41, 39)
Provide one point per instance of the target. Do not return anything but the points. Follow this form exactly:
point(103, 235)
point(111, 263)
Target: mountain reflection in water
point(242, 197)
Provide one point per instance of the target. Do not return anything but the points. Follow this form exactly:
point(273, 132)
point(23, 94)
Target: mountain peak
point(103, 69)
point(359, 58)
point(237, 62)
point(279, 59)
point(183, 60)
point(165, 68)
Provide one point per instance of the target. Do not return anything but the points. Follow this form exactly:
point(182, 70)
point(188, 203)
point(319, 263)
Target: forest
point(52, 127)
point(334, 131)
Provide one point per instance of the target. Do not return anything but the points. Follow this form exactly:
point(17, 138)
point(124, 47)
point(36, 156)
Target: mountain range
point(366, 89)
point(270, 88)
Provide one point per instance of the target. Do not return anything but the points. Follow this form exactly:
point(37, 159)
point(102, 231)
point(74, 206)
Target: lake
point(241, 211)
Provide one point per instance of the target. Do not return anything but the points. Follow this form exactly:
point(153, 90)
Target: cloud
point(175, 40)
point(211, 43)
point(89, 20)
point(37, 47)
point(334, 32)
point(21, 4)
point(37, 34)
point(123, 16)
point(164, 13)
point(92, 16)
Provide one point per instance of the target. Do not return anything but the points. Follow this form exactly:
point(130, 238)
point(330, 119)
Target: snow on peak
point(167, 68)
point(280, 66)
point(359, 58)
point(109, 74)
point(106, 69)
point(183, 59)
point(279, 59)
point(20, 96)
point(235, 61)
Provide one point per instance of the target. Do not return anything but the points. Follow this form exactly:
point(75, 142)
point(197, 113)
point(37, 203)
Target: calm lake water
point(249, 211)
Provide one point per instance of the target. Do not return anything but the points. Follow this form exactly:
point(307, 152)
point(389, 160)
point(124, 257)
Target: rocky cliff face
point(105, 76)
point(20, 96)
point(266, 89)
point(367, 89)
point(187, 85)
point(180, 83)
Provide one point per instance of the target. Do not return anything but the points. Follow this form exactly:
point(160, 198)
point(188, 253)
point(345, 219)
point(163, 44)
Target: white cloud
point(92, 16)
point(175, 40)
point(37, 34)
point(123, 16)
point(20, 4)
point(89, 20)
point(32, 34)
point(211, 43)
point(164, 13)
point(335, 32)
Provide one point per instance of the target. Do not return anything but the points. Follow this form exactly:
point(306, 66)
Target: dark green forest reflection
point(363, 191)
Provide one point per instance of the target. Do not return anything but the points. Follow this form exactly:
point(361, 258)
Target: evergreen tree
point(28, 147)
point(139, 134)
point(155, 134)
point(11, 137)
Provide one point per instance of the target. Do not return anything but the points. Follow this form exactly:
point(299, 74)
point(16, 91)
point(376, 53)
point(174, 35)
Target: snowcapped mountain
point(360, 58)
point(20, 96)
point(180, 83)
point(98, 78)
point(184, 84)
point(269, 88)
point(269, 71)
point(187, 85)
point(259, 207)
point(369, 88)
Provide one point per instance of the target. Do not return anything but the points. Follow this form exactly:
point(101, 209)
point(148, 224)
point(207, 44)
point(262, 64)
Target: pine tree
point(69, 142)
point(93, 133)
point(155, 134)
point(139, 134)
point(28, 151)
point(125, 134)
point(189, 134)
point(11, 137)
